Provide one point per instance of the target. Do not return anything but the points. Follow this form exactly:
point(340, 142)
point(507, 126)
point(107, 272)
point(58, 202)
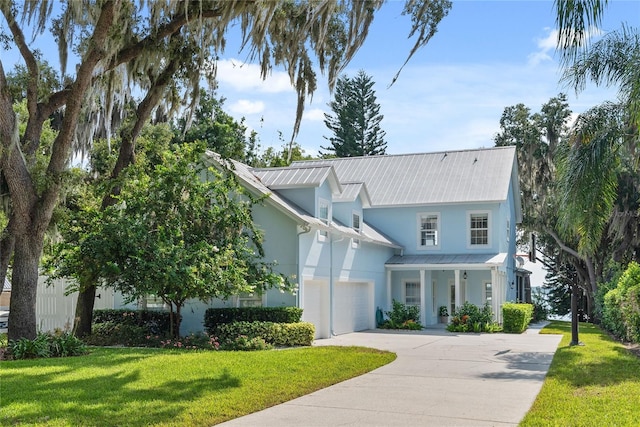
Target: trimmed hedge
point(516, 317)
point(219, 316)
point(277, 334)
point(153, 322)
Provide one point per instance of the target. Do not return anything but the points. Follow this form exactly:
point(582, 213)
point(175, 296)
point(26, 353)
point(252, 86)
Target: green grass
point(597, 384)
point(136, 387)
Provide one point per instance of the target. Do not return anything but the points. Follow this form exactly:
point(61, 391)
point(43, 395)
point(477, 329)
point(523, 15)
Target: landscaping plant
point(402, 316)
point(471, 318)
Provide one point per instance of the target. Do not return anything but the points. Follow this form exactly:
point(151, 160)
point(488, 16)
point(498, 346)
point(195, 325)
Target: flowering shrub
point(402, 316)
point(471, 318)
point(190, 342)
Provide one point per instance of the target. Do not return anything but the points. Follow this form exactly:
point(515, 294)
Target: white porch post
point(457, 287)
point(389, 290)
point(496, 295)
point(423, 311)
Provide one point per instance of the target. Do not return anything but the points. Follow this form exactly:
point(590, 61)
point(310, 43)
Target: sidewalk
point(438, 379)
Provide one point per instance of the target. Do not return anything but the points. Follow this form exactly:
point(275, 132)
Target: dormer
point(310, 187)
point(348, 205)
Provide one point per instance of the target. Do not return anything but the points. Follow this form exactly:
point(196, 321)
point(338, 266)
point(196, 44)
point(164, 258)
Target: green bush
point(47, 345)
point(620, 306)
point(218, 316)
point(115, 333)
point(516, 317)
point(277, 334)
point(471, 318)
point(154, 322)
point(245, 343)
point(402, 316)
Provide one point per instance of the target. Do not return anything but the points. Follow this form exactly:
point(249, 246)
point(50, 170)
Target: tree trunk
point(22, 308)
point(574, 315)
point(84, 312)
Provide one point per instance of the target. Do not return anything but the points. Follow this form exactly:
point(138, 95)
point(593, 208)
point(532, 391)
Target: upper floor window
point(479, 228)
point(355, 222)
point(428, 228)
point(324, 210)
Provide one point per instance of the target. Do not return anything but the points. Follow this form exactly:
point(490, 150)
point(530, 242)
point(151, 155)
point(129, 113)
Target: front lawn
point(136, 387)
point(597, 384)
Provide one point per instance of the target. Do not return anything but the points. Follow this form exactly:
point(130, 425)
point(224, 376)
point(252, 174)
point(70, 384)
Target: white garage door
point(316, 306)
point(353, 307)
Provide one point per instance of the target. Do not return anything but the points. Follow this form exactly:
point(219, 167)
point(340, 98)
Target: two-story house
point(428, 229)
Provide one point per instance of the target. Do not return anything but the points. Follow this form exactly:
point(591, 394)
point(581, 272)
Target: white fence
point(55, 310)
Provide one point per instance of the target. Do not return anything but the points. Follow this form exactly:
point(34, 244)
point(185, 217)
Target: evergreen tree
point(356, 120)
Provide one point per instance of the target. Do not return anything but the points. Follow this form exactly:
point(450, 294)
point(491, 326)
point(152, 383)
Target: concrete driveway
point(438, 379)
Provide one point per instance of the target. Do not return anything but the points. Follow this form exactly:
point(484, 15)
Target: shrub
point(47, 345)
point(244, 343)
point(471, 318)
point(200, 341)
point(516, 317)
point(116, 333)
point(154, 322)
point(402, 316)
point(621, 305)
point(277, 334)
point(218, 316)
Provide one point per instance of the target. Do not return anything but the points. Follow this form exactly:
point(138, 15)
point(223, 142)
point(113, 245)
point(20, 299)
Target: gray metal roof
point(446, 259)
point(351, 191)
point(295, 177)
point(480, 175)
point(253, 184)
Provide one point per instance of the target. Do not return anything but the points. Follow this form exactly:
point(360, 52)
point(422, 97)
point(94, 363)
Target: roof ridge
point(463, 150)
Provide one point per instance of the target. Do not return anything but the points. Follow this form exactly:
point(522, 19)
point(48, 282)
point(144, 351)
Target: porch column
point(456, 274)
point(496, 295)
point(423, 298)
point(389, 290)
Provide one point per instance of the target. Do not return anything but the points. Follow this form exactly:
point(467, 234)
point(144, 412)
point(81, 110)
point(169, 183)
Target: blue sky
point(487, 55)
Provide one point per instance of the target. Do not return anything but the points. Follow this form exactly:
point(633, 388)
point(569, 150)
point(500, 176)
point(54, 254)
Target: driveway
point(438, 379)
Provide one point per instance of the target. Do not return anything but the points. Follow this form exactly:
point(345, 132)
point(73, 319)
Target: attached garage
point(354, 307)
point(316, 306)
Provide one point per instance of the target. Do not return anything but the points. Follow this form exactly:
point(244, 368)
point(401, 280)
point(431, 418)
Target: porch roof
point(437, 261)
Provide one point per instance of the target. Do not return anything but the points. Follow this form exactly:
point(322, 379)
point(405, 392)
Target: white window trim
point(419, 216)
point(468, 229)
point(404, 290)
point(359, 215)
point(484, 291)
point(322, 202)
point(355, 243)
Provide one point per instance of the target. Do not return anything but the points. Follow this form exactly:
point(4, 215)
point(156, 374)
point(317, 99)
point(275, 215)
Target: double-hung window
point(428, 230)
point(324, 215)
point(412, 293)
point(324, 210)
point(355, 221)
point(478, 229)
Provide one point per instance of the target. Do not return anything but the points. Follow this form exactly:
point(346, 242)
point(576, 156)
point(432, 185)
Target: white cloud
point(244, 106)
point(546, 46)
point(245, 77)
point(314, 115)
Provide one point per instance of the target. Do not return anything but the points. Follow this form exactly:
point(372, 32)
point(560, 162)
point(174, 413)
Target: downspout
point(331, 281)
point(305, 229)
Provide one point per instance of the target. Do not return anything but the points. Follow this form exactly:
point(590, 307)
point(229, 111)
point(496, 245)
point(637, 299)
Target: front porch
point(432, 281)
